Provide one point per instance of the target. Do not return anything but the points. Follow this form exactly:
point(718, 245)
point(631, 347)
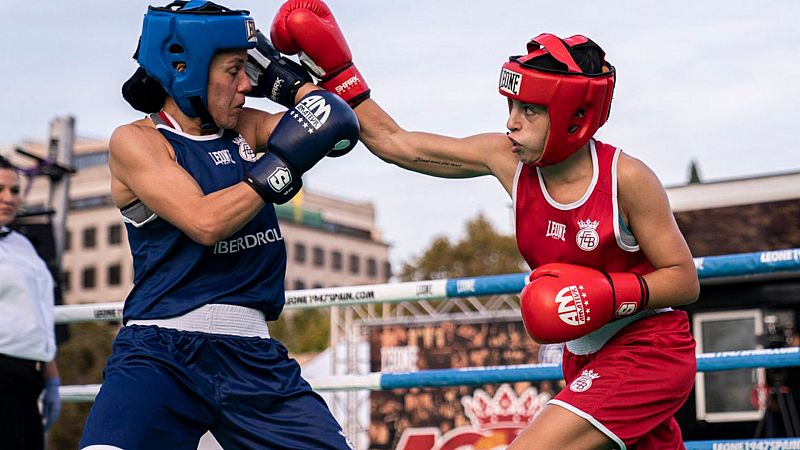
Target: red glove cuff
point(630, 293)
point(348, 84)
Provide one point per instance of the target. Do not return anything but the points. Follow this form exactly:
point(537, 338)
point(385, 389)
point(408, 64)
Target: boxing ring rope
point(745, 444)
point(712, 270)
point(437, 378)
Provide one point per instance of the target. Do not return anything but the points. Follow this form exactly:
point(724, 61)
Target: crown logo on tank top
point(587, 238)
point(245, 152)
point(583, 382)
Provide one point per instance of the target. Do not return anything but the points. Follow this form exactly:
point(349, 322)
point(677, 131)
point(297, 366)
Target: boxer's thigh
point(146, 400)
point(266, 404)
point(637, 382)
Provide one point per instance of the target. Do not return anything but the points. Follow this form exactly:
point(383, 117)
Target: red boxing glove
point(308, 27)
point(564, 301)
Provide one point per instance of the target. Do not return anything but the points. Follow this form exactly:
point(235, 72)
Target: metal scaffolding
point(350, 343)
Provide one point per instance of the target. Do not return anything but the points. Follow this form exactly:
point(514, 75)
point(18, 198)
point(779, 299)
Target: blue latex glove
point(51, 402)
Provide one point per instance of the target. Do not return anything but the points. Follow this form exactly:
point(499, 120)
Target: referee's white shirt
point(26, 301)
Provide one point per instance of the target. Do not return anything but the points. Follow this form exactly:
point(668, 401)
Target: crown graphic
point(505, 408)
point(591, 224)
point(589, 374)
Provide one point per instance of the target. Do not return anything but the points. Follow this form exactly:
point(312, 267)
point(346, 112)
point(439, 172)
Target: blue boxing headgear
point(191, 32)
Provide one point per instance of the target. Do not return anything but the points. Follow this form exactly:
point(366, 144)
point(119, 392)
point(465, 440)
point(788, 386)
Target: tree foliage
point(303, 331)
point(482, 251)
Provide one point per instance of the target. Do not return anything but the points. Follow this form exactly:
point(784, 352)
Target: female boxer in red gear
point(594, 223)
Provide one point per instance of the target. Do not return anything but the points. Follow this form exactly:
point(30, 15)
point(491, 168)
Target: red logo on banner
point(496, 421)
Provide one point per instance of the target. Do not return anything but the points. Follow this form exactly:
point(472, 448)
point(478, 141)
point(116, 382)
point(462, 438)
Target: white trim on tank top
point(589, 190)
point(175, 128)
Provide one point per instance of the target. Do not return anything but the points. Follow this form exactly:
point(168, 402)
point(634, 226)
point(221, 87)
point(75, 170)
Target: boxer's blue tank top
point(174, 274)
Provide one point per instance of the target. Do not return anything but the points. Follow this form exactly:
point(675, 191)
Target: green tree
point(303, 331)
point(483, 251)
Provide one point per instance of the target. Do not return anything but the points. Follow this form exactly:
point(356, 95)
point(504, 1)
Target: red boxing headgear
point(578, 102)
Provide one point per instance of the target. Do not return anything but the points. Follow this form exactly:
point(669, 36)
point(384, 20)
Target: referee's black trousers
point(21, 383)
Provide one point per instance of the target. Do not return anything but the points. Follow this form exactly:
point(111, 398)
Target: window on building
point(300, 252)
point(67, 240)
point(94, 201)
point(336, 263)
point(319, 257)
point(89, 237)
point(387, 270)
point(66, 281)
point(317, 285)
point(114, 234)
point(90, 160)
point(726, 396)
point(355, 264)
point(88, 278)
point(372, 267)
point(299, 284)
point(114, 275)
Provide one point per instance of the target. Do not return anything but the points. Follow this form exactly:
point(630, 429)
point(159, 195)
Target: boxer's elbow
point(206, 232)
point(690, 287)
point(673, 286)
point(692, 290)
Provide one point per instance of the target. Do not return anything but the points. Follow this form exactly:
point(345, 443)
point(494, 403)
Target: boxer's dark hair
point(588, 55)
point(144, 92)
point(6, 164)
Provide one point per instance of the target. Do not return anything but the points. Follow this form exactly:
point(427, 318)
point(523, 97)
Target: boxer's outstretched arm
point(308, 28)
point(433, 154)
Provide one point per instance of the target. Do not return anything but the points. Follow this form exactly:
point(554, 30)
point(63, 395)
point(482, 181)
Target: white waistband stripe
point(231, 320)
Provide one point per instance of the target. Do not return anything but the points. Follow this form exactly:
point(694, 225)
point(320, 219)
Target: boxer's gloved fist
point(320, 123)
point(273, 76)
point(565, 301)
point(309, 28)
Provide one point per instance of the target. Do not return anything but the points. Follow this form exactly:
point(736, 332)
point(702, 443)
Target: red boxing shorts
point(631, 388)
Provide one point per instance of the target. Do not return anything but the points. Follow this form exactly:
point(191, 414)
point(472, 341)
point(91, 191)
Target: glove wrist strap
point(630, 293)
point(348, 84)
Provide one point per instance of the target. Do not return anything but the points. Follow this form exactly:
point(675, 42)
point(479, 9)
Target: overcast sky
point(710, 81)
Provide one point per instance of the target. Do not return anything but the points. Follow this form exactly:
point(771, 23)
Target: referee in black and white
point(27, 335)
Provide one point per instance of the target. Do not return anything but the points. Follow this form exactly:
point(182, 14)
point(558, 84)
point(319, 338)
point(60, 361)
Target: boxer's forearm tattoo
point(438, 163)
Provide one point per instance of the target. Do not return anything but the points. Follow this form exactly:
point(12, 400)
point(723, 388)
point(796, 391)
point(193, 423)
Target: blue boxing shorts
point(164, 388)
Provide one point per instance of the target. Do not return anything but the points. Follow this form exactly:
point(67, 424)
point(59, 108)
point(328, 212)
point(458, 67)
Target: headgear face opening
point(577, 102)
point(185, 35)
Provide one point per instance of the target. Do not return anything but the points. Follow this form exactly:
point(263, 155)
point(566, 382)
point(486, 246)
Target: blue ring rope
point(758, 263)
point(708, 362)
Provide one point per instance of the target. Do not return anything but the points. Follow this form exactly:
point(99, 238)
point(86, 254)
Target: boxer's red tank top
point(589, 232)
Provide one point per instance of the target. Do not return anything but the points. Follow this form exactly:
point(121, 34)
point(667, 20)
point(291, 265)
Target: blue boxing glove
point(51, 402)
point(320, 123)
